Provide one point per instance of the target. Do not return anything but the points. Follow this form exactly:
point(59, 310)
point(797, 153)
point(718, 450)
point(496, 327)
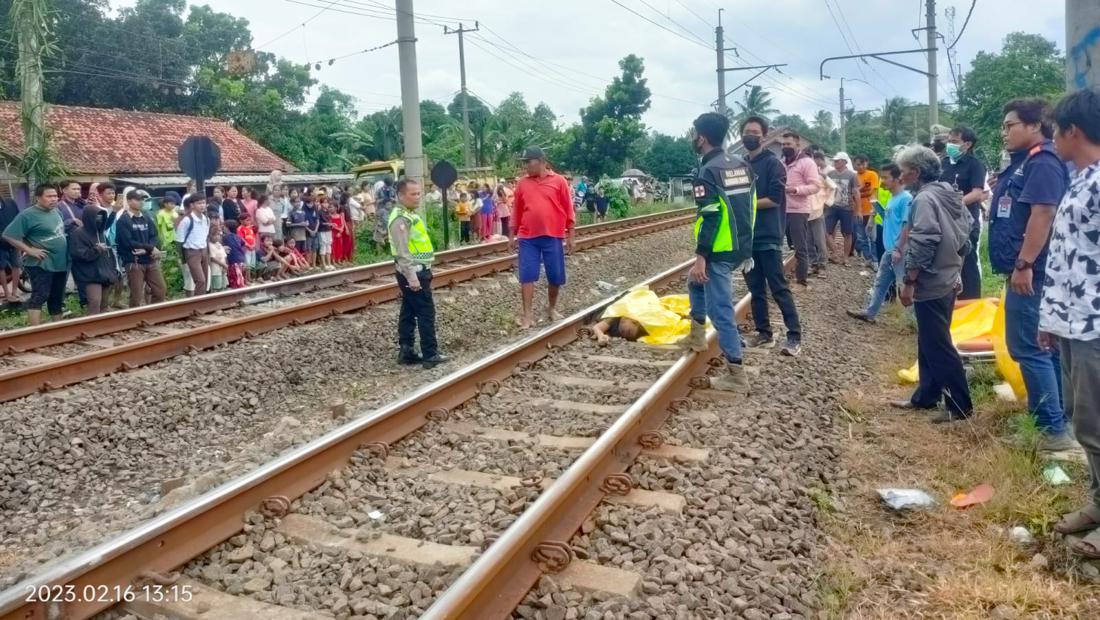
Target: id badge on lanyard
point(1004, 206)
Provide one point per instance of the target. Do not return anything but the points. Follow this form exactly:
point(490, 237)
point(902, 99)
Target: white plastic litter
point(1004, 392)
point(1055, 475)
point(904, 499)
point(375, 514)
point(605, 286)
point(1021, 536)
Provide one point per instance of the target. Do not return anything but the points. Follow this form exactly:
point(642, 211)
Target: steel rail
point(495, 584)
point(19, 382)
point(83, 328)
point(183, 533)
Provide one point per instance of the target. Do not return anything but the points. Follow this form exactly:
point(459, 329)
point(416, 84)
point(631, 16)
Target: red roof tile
point(111, 141)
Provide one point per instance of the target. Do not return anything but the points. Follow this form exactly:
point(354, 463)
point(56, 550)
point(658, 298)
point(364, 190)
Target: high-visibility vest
point(884, 196)
point(420, 244)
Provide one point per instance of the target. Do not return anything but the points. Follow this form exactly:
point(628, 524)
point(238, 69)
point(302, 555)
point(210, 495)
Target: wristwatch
point(1023, 265)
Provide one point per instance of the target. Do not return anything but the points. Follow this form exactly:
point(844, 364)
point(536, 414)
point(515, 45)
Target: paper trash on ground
point(903, 499)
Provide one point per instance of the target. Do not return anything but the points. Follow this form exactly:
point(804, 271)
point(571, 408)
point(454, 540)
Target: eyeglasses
point(1009, 125)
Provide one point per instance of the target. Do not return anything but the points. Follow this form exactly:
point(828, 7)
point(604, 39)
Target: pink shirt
point(543, 207)
point(803, 176)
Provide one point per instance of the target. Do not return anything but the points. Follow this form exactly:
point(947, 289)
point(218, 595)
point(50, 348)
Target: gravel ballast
point(88, 461)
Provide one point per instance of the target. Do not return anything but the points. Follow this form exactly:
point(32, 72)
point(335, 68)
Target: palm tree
point(893, 118)
point(823, 122)
point(757, 103)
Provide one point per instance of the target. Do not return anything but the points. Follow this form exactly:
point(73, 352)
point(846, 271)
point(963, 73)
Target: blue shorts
point(533, 253)
point(835, 215)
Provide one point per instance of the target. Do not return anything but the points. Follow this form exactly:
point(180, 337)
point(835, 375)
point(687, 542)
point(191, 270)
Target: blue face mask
point(954, 151)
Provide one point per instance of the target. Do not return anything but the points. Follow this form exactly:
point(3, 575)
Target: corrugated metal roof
point(300, 178)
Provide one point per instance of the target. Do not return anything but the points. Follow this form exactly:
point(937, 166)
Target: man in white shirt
point(1069, 316)
point(193, 233)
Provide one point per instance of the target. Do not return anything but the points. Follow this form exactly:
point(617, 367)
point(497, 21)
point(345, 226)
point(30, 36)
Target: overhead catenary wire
point(301, 25)
point(966, 21)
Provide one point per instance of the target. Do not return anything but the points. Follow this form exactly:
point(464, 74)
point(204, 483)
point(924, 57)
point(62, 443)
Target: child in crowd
point(337, 225)
point(265, 218)
point(218, 257)
point(325, 233)
point(165, 220)
point(296, 257)
point(248, 234)
point(487, 211)
point(235, 255)
point(462, 211)
point(289, 257)
point(272, 266)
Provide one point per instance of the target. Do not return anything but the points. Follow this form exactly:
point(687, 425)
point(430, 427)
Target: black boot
point(408, 357)
point(435, 360)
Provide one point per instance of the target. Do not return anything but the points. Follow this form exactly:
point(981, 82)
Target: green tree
point(757, 102)
point(479, 123)
point(895, 119)
point(667, 156)
point(793, 122)
point(1027, 66)
point(611, 126)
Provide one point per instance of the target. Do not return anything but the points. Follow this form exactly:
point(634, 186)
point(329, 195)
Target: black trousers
point(47, 287)
point(941, 369)
point(798, 231)
point(767, 272)
point(971, 270)
point(417, 312)
point(464, 231)
point(880, 246)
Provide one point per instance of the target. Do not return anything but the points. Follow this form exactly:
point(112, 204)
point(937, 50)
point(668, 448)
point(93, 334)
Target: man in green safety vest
point(725, 196)
point(413, 255)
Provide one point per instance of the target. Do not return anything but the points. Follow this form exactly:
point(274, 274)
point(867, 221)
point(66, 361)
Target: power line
point(301, 25)
point(675, 23)
point(661, 26)
point(369, 49)
point(973, 3)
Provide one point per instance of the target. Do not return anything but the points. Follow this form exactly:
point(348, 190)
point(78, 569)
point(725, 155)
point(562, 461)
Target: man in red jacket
point(542, 218)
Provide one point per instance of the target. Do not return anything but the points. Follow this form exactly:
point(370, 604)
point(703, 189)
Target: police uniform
point(413, 259)
point(1036, 176)
point(725, 196)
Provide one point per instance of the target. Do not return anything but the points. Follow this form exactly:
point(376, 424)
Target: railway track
point(451, 502)
point(58, 354)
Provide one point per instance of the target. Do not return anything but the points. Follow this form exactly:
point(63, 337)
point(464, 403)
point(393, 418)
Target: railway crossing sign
point(444, 174)
point(199, 158)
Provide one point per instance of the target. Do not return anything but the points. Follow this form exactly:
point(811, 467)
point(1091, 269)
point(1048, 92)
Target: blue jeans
point(1042, 370)
point(715, 300)
point(888, 274)
point(863, 243)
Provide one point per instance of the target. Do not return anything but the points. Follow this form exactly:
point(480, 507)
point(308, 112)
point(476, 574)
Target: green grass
point(991, 283)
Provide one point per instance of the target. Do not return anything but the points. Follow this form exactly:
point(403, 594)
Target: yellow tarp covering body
point(981, 319)
point(662, 317)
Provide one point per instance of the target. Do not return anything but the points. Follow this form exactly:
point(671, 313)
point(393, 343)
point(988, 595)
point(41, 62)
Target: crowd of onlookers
point(112, 246)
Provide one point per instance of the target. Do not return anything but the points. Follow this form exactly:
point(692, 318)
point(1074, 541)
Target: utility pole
point(31, 40)
point(462, 29)
point(719, 47)
point(843, 130)
point(933, 96)
point(1082, 44)
point(410, 92)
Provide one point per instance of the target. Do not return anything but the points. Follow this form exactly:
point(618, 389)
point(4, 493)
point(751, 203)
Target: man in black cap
point(542, 218)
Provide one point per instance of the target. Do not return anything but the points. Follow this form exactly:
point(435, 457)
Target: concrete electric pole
point(1082, 44)
point(843, 129)
point(410, 92)
point(933, 96)
point(720, 48)
point(462, 29)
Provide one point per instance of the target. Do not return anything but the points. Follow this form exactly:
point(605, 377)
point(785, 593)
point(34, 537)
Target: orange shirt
point(868, 187)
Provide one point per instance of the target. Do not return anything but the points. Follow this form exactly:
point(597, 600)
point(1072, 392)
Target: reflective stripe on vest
point(420, 244)
point(723, 237)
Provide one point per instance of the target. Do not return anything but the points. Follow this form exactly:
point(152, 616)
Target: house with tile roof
point(128, 147)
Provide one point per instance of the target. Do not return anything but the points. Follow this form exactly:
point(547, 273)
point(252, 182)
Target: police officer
point(1024, 204)
point(726, 201)
point(413, 255)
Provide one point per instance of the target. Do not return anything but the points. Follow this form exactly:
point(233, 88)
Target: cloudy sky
point(564, 52)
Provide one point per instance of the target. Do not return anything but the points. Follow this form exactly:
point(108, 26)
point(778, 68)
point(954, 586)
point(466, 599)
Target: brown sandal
point(1089, 546)
point(1087, 518)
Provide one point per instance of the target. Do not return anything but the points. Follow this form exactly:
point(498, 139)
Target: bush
point(618, 199)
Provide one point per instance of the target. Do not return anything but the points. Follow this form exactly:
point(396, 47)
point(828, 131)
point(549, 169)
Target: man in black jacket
point(139, 252)
point(767, 271)
point(966, 174)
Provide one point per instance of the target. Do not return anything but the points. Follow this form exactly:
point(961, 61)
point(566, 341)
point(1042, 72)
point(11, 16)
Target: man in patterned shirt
point(1069, 317)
